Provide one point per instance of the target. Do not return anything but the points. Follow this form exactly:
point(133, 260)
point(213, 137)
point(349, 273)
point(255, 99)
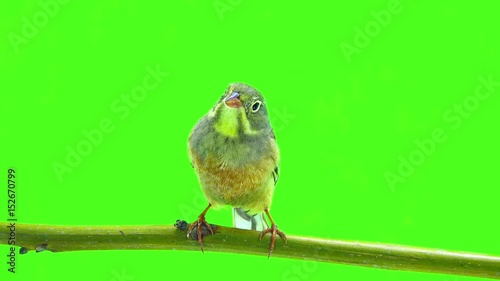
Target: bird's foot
point(199, 229)
point(274, 232)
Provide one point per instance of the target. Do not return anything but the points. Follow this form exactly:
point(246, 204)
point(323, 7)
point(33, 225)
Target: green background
point(342, 122)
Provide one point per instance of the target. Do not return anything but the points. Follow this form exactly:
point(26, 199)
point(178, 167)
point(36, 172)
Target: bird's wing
point(276, 174)
point(276, 171)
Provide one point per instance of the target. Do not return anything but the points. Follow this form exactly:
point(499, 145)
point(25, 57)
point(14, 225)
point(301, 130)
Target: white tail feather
point(243, 220)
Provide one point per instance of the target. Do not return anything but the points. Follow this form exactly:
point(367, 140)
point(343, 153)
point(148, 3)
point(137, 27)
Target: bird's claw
point(202, 229)
point(274, 232)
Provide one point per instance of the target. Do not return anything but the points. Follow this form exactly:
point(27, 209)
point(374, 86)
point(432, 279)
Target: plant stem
point(231, 240)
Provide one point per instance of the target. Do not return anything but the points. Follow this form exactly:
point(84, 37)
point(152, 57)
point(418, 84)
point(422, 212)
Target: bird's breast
point(241, 186)
point(238, 174)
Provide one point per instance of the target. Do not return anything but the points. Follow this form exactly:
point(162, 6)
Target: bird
point(234, 153)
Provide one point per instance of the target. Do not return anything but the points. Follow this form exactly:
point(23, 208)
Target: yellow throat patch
point(228, 124)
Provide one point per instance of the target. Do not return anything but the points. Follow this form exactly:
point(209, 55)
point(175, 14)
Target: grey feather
point(243, 220)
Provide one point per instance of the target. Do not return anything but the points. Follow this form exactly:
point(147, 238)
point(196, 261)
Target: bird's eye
point(256, 106)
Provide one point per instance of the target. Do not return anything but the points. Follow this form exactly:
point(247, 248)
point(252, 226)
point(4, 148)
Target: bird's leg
point(199, 223)
point(274, 231)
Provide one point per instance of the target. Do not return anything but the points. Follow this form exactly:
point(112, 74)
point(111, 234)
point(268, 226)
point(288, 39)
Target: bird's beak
point(233, 100)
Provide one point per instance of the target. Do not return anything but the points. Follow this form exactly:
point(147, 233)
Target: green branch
point(75, 238)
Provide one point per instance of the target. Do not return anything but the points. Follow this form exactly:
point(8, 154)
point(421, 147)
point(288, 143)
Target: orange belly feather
point(249, 187)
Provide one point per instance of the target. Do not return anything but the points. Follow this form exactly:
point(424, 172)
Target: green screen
point(386, 114)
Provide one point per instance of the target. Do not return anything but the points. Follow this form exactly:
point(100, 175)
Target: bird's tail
point(243, 220)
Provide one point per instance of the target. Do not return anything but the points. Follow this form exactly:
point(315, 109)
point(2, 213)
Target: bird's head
point(241, 110)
